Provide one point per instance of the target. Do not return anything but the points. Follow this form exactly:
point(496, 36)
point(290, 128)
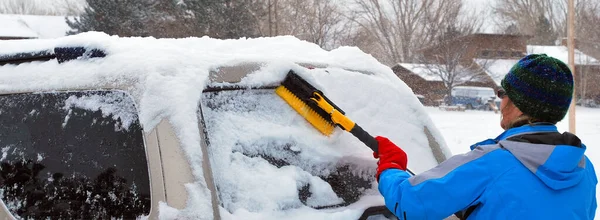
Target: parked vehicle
point(473, 97)
point(99, 127)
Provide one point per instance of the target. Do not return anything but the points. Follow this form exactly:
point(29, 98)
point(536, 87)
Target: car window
point(262, 160)
point(72, 155)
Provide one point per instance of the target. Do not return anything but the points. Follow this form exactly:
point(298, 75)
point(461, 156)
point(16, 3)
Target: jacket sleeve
point(452, 186)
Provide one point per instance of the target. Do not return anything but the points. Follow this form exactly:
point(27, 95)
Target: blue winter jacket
point(528, 172)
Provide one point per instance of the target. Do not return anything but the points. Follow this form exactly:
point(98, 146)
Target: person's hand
point(390, 156)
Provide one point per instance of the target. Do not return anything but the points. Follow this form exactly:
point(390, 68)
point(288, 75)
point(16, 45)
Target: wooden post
point(571, 45)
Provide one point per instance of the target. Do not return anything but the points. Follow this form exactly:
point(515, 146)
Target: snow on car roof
point(166, 77)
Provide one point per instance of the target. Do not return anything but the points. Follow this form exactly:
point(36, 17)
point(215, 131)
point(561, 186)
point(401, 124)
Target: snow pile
point(249, 133)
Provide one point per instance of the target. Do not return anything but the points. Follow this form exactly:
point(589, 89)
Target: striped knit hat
point(540, 86)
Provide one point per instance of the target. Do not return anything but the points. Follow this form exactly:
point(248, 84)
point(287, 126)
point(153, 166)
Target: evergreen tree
point(544, 32)
point(157, 18)
point(115, 17)
point(225, 18)
point(511, 29)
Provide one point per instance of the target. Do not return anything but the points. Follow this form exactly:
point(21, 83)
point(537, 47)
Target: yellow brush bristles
point(320, 123)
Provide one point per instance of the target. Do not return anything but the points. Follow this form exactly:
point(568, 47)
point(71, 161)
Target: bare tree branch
point(401, 27)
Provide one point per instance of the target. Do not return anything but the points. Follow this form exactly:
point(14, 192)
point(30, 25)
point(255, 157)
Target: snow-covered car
point(97, 127)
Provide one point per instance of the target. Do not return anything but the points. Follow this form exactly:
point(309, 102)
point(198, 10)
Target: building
point(421, 78)
point(459, 56)
point(491, 55)
point(587, 69)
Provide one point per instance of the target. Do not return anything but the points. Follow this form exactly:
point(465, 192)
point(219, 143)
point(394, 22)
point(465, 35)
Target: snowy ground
point(461, 129)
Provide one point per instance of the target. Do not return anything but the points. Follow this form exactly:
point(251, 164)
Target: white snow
point(166, 78)
point(497, 68)
point(428, 71)
point(33, 26)
point(115, 105)
point(462, 129)
point(561, 53)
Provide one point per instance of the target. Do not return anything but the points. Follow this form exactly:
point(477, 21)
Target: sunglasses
point(501, 93)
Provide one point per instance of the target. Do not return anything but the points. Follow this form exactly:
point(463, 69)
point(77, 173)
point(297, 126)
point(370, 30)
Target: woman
point(530, 171)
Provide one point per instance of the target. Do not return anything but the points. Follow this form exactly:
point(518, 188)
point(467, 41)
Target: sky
point(483, 8)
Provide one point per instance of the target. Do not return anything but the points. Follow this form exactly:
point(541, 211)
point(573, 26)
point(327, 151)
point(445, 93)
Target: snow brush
point(319, 111)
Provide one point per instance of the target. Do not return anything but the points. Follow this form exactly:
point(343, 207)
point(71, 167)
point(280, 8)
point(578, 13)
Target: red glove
point(390, 156)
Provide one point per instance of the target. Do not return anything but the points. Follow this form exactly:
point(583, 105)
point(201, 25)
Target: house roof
point(420, 70)
point(562, 53)
point(497, 68)
point(32, 26)
point(426, 71)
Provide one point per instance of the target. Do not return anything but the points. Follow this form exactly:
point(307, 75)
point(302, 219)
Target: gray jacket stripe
point(452, 163)
point(530, 155)
point(582, 162)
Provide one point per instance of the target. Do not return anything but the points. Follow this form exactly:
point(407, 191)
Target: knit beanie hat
point(540, 86)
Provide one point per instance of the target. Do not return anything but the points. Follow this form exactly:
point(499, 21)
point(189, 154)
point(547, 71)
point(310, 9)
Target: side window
point(72, 155)
point(265, 158)
point(472, 93)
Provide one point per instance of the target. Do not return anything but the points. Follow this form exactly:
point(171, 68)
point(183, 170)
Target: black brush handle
point(370, 141)
point(365, 137)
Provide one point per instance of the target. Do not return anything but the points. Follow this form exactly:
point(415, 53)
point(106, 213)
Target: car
point(474, 97)
point(96, 127)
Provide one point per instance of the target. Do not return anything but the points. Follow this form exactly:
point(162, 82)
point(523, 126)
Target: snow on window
point(81, 170)
point(268, 168)
point(115, 105)
point(266, 158)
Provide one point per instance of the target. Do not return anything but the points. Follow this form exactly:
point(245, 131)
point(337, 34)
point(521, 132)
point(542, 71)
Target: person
point(530, 171)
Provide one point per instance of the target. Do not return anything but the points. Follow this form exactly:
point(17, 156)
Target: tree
point(317, 21)
point(401, 27)
point(226, 18)
point(36, 7)
point(511, 29)
point(544, 32)
point(451, 62)
point(587, 20)
point(115, 17)
point(157, 18)
point(18, 7)
point(525, 14)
